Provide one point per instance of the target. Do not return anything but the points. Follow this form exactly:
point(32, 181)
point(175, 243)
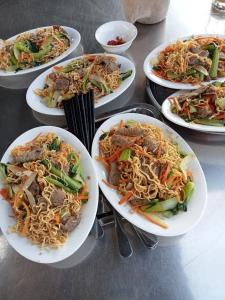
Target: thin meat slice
point(122, 141)
point(71, 223)
point(131, 131)
point(114, 174)
point(62, 83)
point(57, 197)
point(192, 94)
point(204, 111)
point(34, 154)
point(138, 202)
point(151, 144)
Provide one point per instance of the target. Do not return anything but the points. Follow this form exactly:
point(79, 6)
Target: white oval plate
point(76, 238)
point(178, 224)
point(148, 65)
point(74, 37)
point(179, 121)
point(36, 102)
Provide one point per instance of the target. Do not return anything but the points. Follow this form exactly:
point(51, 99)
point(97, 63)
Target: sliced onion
point(30, 198)
point(29, 180)
point(201, 69)
point(15, 170)
point(184, 165)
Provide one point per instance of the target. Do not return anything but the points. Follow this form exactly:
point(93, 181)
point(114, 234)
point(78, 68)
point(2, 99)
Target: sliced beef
point(193, 60)
point(57, 197)
point(151, 144)
point(136, 201)
point(42, 203)
point(62, 83)
point(108, 62)
point(156, 168)
point(65, 217)
point(195, 49)
point(122, 141)
point(71, 223)
point(194, 93)
point(204, 53)
point(129, 186)
point(131, 131)
point(33, 154)
point(114, 174)
point(34, 188)
point(203, 112)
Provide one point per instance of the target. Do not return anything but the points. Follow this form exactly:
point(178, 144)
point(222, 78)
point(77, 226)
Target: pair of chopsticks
point(80, 117)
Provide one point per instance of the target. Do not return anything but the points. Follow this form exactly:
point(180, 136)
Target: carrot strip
point(220, 117)
point(159, 150)
point(152, 219)
point(126, 197)
point(5, 194)
point(109, 184)
point(57, 218)
point(115, 155)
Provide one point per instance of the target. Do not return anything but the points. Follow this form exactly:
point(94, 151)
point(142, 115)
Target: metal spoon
point(146, 240)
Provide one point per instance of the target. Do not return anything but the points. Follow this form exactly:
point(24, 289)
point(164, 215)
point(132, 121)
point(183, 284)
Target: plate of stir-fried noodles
point(149, 174)
point(187, 62)
point(48, 194)
point(202, 109)
point(108, 75)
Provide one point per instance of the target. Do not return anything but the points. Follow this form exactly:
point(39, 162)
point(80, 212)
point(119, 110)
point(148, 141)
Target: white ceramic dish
point(35, 102)
point(80, 233)
point(178, 224)
point(152, 56)
point(22, 79)
point(179, 121)
point(109, 31)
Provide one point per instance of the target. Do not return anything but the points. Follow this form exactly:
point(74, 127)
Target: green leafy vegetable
point(55, 144)
point(125, 155)
point(210, 122)
point(73, 184)
point(188, 190)
point(215, 62)
point(60, 184)
point(3, 171)
point(163, 205)
point(125, 75)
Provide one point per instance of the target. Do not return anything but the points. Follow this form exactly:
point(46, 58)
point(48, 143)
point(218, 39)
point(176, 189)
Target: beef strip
point(194, 93)
point(62, 83)
point(204, 53)
point(195, 49)
point(33, 154)
point(107, 62)
point(114, 174)
point(131, 131)
point(156, 168)
point(71, 223)
point(136, 201)
point(42, 203)
point(57, 197)
point(122, 141)
point(34, 188)
point(151, 144)
point(203, 112)
point(193, 60)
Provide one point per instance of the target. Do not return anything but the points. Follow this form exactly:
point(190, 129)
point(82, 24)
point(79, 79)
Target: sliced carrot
point(121, 124)
point(152, 218)
point(220, 117)
point(126, 197)
point(5, 194)
point(164, 173)
point(57, 68)
point(109, 184)
point(115, 155)
point(159, 150)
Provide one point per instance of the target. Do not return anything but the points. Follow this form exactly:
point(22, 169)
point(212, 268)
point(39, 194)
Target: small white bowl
point(22, 79)
point(109, 31)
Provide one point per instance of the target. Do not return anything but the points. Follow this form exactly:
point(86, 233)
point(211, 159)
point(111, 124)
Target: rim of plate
point(123, 210)
point(147, 66)
point(179, 121)
point(31, 97)
point(74, 42)
point(53, 255)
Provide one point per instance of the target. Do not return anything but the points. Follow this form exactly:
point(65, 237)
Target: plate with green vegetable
point(108, 75)
point(149, 174)
point(202, 109)
point(48, 194)
point(26, 55)
point(187, 62)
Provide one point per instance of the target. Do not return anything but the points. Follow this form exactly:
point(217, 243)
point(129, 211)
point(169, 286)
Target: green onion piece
point(125, 155)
